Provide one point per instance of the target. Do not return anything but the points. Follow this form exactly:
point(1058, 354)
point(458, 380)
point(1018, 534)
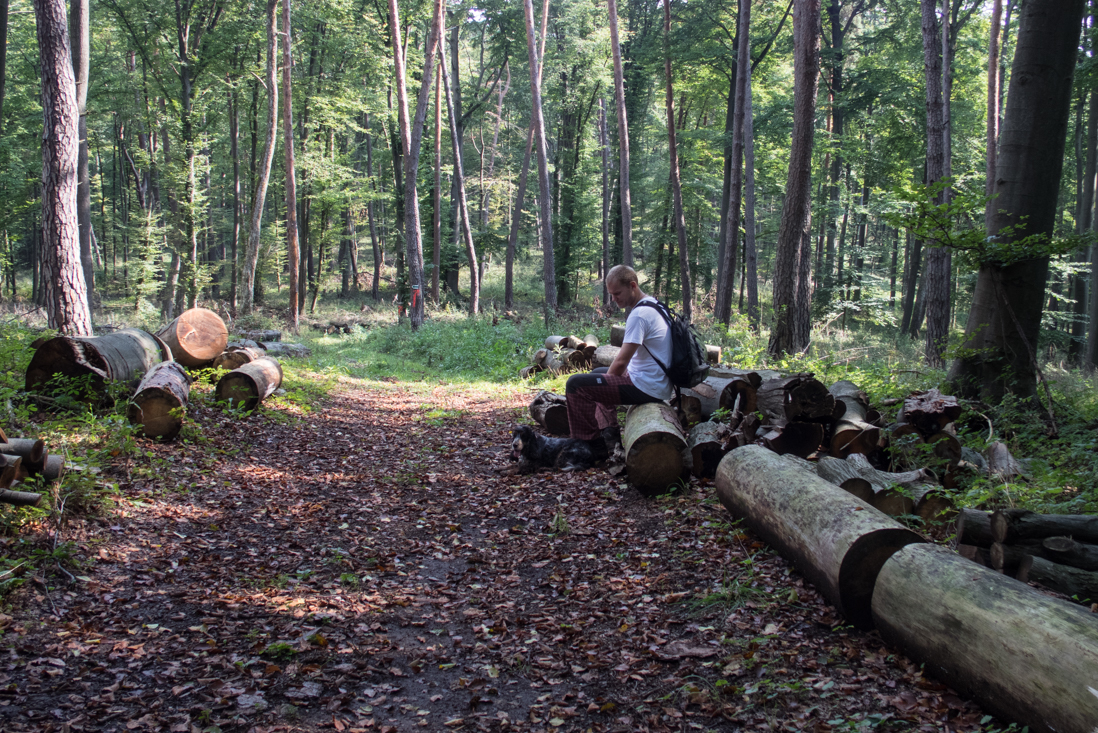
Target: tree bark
point(730, 246)
point(80, 38)
point(160, 402)
point(992, 105)
point(436, 215)
point(122, 356)
point(66, 295)
point(623, 138)
point(654, 445)
point(1073, 582)
point(543, 164)
point(938, 260)
point(1003, 323)
point(852, 433)
point(750, 255)
point(676, 183)
point(293, 254)
point(789, 334)
point(1019, 525)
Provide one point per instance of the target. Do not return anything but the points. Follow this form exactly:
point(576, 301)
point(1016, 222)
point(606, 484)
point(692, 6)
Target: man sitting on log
point(634, 377)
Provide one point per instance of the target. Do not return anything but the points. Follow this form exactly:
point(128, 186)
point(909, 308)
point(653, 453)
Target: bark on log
point(550, 411)
point(160, 402)
point(978, 555)
point(1023, 656)
point(1018, 525)
point(9, 470)
point(1000, 463)
point(706, 443)
point(1063, 550)
point(196, 337)
point(231, 358)
point(250, 384)
point(933, 504)
point(55, 466)
point(853, 433)
point(889, 492)
point(799, 438)
point(799, 397)
point(591, 340)
point(278, 348)
point(552, 342)
point(1081, 585)
point(528, 371)
point(929, 411)
point(837, 541)
point(260, 336)
point(605, 355)
point(33, 453)
point(722, 388)
point(20, 498)
point(122, 356)
point(654, 445)
point(974, 528)
point(617, 335)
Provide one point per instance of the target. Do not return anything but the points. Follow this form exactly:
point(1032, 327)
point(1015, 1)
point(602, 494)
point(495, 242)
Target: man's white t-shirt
point(645, 326)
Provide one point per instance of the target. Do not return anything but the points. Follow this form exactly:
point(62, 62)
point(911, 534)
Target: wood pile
point(22, 461)
point(566, 354)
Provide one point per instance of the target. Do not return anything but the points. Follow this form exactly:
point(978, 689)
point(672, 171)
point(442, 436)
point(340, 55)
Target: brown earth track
point(407, 585)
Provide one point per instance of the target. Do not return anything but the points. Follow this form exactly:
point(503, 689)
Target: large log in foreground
point(1022, 655)
point(654, 445)
point(836, 540)
point(160, 402)
point(1019, 525)
point(122, 356)
point(250, 384)
point(196, 337)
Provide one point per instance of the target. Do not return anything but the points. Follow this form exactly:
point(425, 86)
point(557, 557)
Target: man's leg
point(593, 399)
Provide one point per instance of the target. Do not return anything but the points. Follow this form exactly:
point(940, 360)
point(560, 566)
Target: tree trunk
point(160, 401)
point(293, 254)
point(436, 215)
point(259, 197)
point(676, 183)
point(604, 149)
point(750, 256)
point(623, 138)
point(196, 337)
point(654, 445)
point(789, 334)
point(971, 626)
point(836, 541)
point(234, 152)
point(992, 106)
point(543, 164)
point(938, 260)
point(80, 38)
point(122, 356)
point(1003, 323)
point(1018, 525)
point(246, 386)
point(730, 244)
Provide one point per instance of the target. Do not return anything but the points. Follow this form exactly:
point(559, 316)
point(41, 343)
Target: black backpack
point(688, 366)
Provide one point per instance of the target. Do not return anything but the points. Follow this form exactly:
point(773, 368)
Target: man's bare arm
point(621, 361)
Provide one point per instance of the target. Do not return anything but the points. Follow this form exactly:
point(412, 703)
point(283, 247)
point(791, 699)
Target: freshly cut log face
point(236, 356)
point(654, 445)
point(550, 411)
point(1018, 525)
point(196, 337)
point(1025, 657)
point(250, 384)
point(160, 402)
point(122, 356)
point(836, 540)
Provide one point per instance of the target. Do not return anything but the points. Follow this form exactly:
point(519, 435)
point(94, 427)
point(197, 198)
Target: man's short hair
point(622, 275)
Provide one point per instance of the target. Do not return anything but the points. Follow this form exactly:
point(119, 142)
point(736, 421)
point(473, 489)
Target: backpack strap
point(665, 312)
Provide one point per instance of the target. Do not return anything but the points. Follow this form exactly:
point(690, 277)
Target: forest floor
point(364, 565)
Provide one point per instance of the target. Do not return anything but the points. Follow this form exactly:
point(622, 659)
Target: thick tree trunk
point(790, 334)
point(838, 542)
point(971, 626)
point(246, 386)
point(160, 402)
point(122, 356)
point(259, 196)
point(80, 38)
point(543, 165)
point(938, 259)
point(625, 201)
point(196, 337)
point(65, 294)
point(654, 445)
point(1003, 324)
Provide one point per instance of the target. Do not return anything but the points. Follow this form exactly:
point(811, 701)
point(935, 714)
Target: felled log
point(1018, 525)
point(721, 389)
point(263, 335)
point(933, 504)
point(974, 528)
point(1023, 656)
point(1006, 559)
point(160, 402)
point(799, 438)
point(1000, 463)
point(33, 453)
point(888, 492)
point(1063, 550)
point(605, 355)
point(9, 470)
point(196, 337)
point(591, 341)
point(550, 411)
point(978, 555)
point(929, 411)
point(654, 445)
point(707, 447)
point(745, 432)
point(248, 385)
point(837, 541)
point(1072, 582)
point(20, 498)
point(853, 433)
point(55, 466)
point(617, 335)
point(122, 356)
point(799, 397)
point(712, 355)
point(278, 348)
point(528, 371)
point(553, 342)
point(231, 357)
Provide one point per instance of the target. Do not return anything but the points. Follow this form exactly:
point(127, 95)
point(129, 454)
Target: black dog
point(533, 451)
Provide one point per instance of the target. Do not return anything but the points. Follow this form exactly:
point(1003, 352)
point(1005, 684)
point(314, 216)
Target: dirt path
point(365, 567)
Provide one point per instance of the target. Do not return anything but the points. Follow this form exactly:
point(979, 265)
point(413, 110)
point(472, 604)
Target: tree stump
point(248, 385)
point(160, 402)
point(550, 411)
point(654, 445)
point(196, 337)
point(837, 541)
point(122, 356)
point(1024, 656)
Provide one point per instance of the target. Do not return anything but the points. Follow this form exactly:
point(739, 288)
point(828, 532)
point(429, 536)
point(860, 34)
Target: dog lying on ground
point(534, 451)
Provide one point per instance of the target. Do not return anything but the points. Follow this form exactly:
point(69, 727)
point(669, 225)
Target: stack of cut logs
point(564, 354)
point(1055, 551)
point(22, 459)
point(155, 367)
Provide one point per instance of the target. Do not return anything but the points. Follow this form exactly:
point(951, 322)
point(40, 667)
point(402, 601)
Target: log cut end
point(862, 564)
point(196, 337)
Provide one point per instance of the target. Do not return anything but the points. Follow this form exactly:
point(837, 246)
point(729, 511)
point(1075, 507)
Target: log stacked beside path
point(654, 444)
point(250, 384)
point(123, 356)
point(235, 356)
point(196, 337)
point(160, 402)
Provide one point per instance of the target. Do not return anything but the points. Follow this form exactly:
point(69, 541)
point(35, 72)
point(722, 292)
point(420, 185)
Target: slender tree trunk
point(730, 245)
point(293, 254)
point(676, 183)
point(436, 259)
point(992, 104)
point(1003, 323)
point(794, 252)
point(543, 166)
point(234, 151)
point(3, 57)
point(80, 37)
point(259, 197)
point(750, 256)
point(374, 293)
point(938, 261)
point(66, 296)
point(486, 191)
point(623, 138)
point(604, 148)
point(1085, 222)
